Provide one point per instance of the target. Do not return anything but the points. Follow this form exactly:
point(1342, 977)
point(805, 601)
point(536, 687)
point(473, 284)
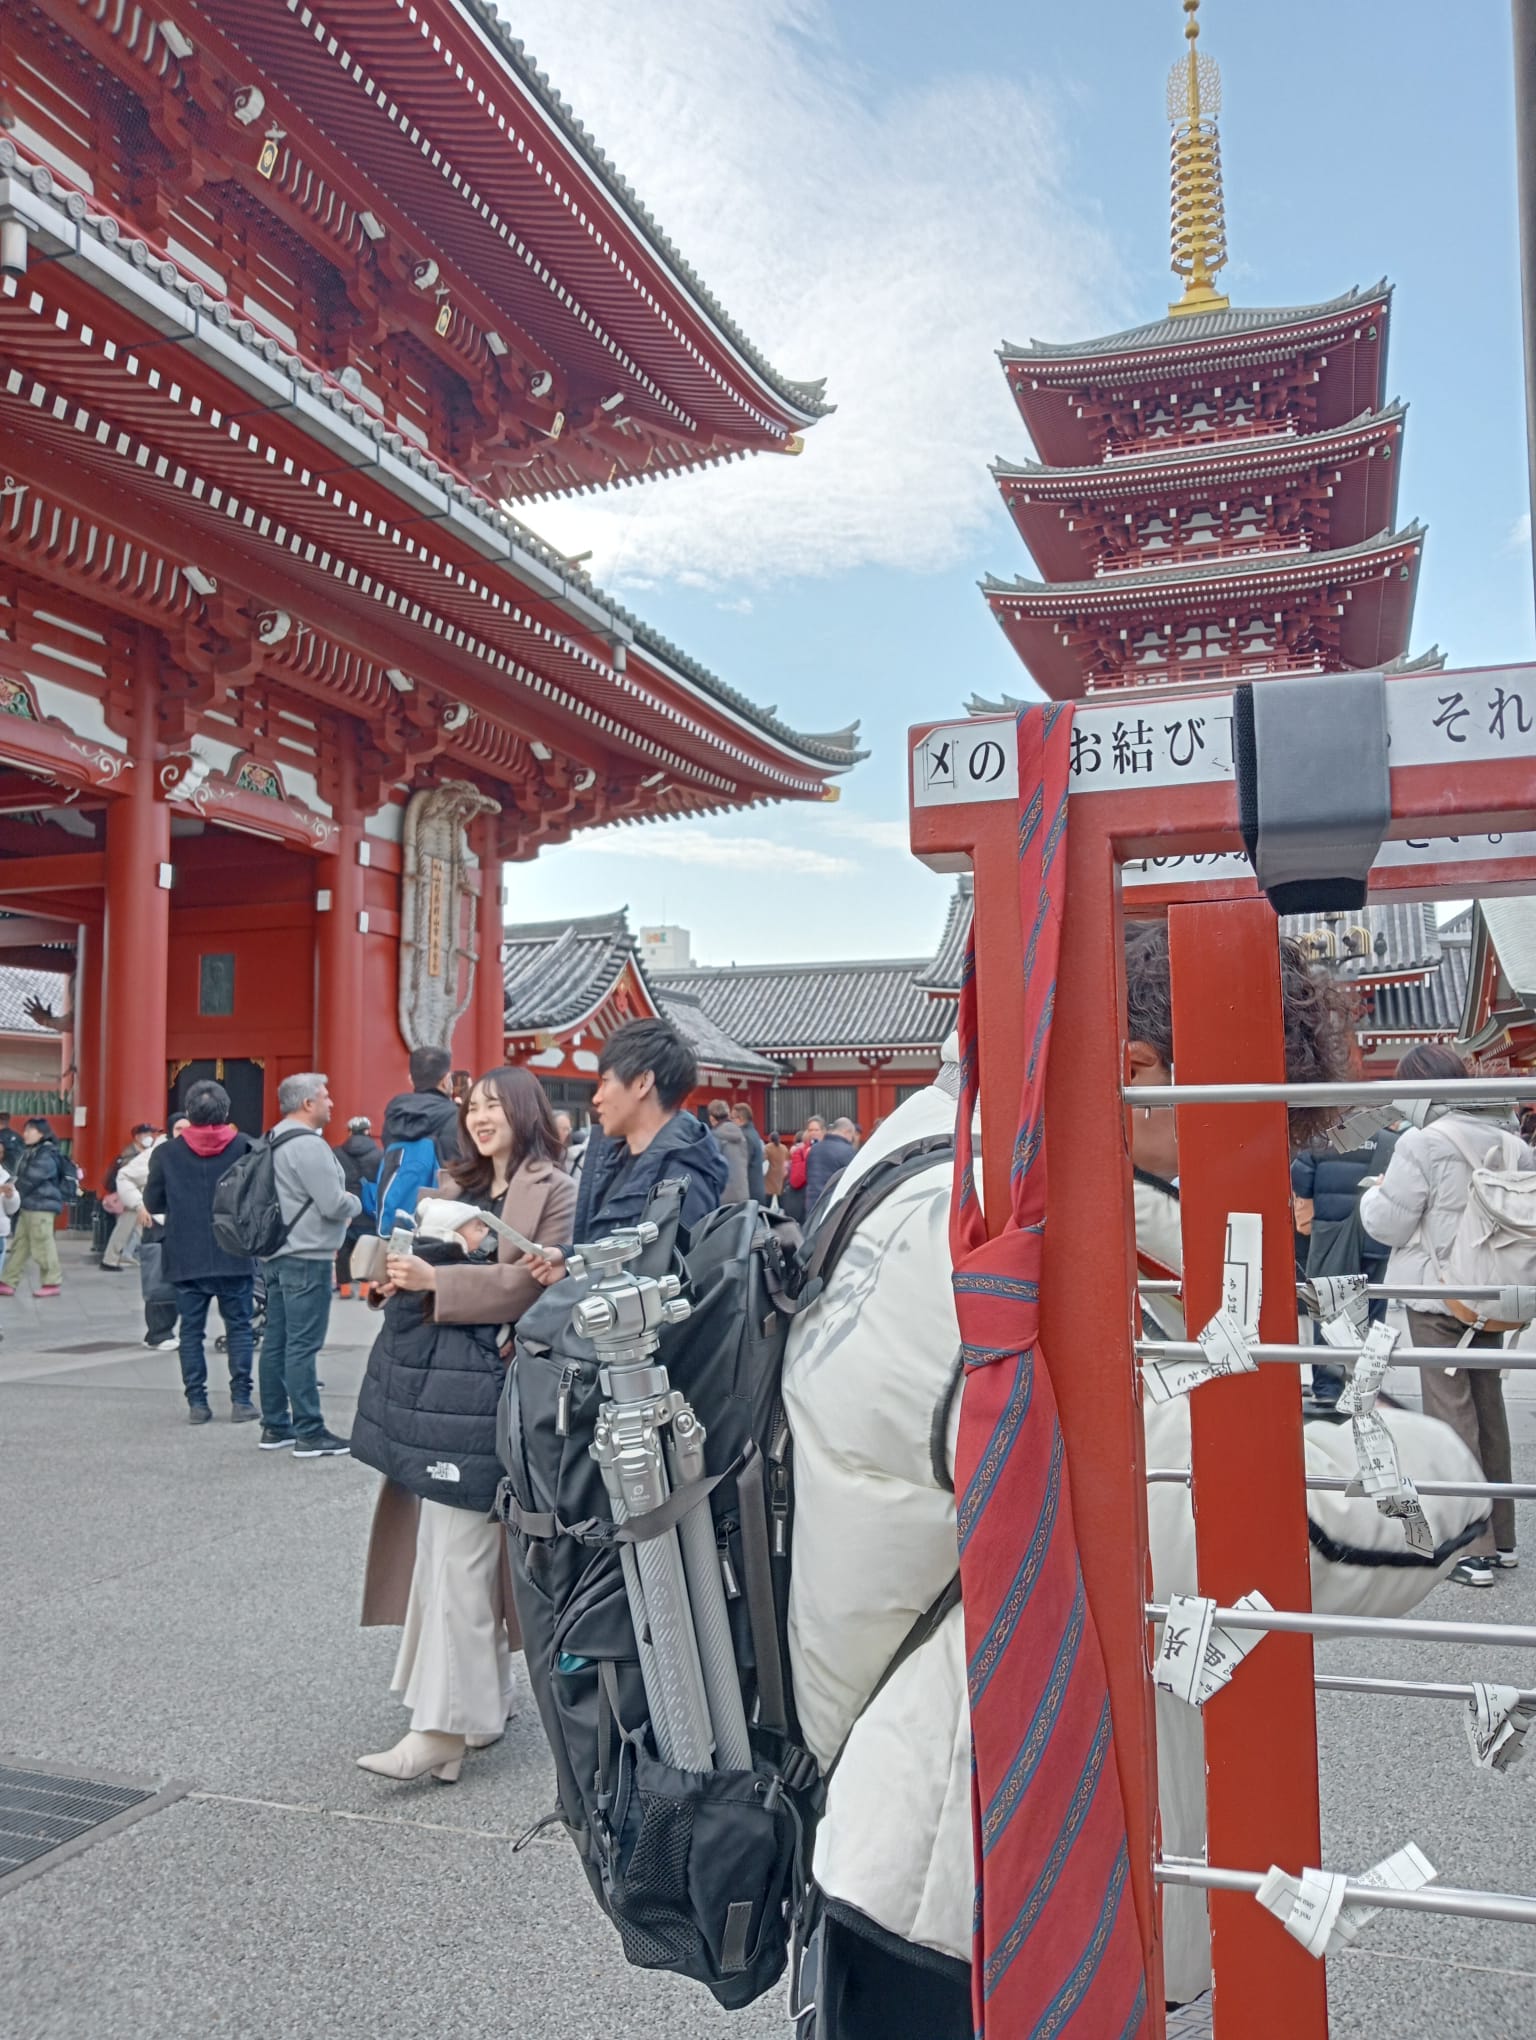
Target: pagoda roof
point(1431, 963)
point(1373, 633)
point(808, 397)
point(941, 979)
point(445, 111)
point(1043, 500)
point(1402, 938)
point(980, 706)
point(1501, 979)
point(785, 1009)
point(1431, 1006)
point(714, 1048)
point(1200, 330)
point(1048, 380)
point(485, 576)
point(1134, 473)
point(1105, 592)
point(560, 974)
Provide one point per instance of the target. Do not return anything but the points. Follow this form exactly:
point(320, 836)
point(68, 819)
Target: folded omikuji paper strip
point(1496, 1725)
point(1311, 1907)
point(1197, 1657)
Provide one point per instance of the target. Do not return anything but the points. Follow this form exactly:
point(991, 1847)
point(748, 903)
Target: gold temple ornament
point(1199, 226)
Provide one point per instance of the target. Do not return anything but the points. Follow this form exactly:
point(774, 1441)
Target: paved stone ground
point(176, 1605)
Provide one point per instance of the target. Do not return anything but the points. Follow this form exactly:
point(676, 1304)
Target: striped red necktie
point(1057, 1949)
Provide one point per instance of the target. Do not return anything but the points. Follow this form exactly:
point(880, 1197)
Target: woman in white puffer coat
point(1418, 1205)
point(871, 1382)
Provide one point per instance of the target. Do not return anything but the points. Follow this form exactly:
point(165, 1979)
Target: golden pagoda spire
point(1199, 216)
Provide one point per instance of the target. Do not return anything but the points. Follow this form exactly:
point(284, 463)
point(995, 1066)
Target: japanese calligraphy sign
point(967, 761)
point(1134, 739)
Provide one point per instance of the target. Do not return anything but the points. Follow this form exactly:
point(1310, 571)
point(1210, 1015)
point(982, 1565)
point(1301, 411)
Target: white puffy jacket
point(1417, 1206)
point(868, 1380)
point(134, 1174)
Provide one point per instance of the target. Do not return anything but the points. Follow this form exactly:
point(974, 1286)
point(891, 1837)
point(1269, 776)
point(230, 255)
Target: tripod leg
point(706, 1593)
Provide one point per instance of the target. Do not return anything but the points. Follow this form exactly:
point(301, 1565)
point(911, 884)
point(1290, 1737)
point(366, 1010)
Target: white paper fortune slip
point(1496, 1725)
point(1225, 1342)
point(1380, 1477)
point(1312, 1906)
point(1197, 1656)
point(1242, 1270)
point(1340, 1299)
point(1369, 1371)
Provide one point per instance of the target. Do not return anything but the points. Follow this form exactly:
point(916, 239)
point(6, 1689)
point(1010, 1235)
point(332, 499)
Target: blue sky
point(881, 191)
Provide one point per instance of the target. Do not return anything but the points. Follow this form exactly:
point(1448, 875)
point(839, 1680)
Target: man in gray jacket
point(733, 1145)
point(316, 1206)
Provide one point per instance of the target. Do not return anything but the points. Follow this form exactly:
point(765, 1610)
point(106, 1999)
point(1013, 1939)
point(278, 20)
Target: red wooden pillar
point(1249, 1494)
point(88, 1151)
point(490, 1002)
point(340, 929)
point(136, 944)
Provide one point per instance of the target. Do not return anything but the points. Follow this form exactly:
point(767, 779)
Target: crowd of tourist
point(874, 1434)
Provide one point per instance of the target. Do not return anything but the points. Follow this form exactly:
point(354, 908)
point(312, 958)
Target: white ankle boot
point(418, 1753)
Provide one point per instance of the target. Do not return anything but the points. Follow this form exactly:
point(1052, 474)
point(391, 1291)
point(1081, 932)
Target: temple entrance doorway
point(242, 1076)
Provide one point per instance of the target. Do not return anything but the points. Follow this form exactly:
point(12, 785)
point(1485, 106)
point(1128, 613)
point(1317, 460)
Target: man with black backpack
point(315, 1207)
point(644, 1073)
point(184, 1174)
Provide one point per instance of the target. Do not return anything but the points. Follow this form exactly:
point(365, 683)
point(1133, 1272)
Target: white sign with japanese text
point(1432, 719)
point(965, 762)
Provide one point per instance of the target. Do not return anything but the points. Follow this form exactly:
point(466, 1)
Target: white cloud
point(884, 238)
point(685, 843)
point(1519, 533)
point(865, 829)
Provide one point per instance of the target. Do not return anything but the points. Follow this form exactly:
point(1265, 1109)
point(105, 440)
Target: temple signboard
point(440, 885)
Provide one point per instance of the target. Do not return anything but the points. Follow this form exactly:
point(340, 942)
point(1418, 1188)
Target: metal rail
point(1516, 1635)
point(1522, 1362)
point(1407, 1689)
point(1387, 1292)
point(1389, 1091)
point(1434, 1898)
point(1340, 1484)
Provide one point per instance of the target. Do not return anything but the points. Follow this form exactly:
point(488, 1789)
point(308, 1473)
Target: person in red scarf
point(183, 1175)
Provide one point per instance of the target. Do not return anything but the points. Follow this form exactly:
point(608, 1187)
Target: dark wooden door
point(243, 1079)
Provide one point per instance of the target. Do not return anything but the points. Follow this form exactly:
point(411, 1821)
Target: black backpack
point(702, 1873)
point(247, 1211)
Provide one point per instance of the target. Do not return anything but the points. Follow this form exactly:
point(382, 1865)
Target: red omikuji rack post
point(1152, 831)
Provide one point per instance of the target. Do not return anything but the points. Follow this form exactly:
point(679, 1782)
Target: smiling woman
point(427, 1421)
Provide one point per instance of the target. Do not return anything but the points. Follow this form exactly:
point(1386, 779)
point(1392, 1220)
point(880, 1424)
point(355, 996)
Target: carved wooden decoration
point(439, 886)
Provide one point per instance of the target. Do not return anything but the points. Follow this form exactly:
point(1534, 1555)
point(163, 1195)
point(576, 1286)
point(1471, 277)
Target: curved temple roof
point(1233, 323)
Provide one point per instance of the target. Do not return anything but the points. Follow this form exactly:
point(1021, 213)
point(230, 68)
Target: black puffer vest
point(426, 1413)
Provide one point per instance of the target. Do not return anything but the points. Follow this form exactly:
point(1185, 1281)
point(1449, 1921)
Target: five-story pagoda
point(1215, 495)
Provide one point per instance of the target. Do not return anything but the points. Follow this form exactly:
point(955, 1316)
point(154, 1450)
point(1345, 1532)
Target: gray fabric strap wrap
point(1323, 793)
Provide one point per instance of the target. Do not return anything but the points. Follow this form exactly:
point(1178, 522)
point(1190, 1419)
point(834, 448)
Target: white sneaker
point(168, 1346)
point(1506, 1561)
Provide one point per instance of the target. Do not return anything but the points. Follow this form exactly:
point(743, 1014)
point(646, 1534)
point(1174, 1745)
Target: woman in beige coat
point(437, 1570)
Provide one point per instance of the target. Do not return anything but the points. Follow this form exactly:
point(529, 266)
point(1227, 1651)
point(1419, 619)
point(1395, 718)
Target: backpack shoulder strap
point(835, 1225)
point(1499, 1137)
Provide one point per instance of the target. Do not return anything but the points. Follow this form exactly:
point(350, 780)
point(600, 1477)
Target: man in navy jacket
point(644, 1073)
point(183, 1175)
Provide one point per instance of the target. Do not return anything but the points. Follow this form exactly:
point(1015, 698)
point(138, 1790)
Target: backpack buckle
point(798, 1769)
